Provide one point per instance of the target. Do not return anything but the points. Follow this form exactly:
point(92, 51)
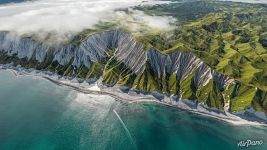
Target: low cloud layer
point(137, 21)
point(68, 16)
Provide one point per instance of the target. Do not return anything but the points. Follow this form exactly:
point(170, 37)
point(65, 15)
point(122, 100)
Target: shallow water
point(37, 114)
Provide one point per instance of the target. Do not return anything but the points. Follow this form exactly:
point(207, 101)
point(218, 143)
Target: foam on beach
point(133, 97)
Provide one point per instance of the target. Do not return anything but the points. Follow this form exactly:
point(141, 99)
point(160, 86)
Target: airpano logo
point(248, 143)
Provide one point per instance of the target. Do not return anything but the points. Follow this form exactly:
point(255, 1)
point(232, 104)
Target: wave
point(134, 97)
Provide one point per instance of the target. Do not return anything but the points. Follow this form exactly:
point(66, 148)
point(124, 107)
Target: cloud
point(67, 16)
point(58, 15)
point(137, 21)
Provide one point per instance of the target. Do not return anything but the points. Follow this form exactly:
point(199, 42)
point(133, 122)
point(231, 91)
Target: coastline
point(133, 97)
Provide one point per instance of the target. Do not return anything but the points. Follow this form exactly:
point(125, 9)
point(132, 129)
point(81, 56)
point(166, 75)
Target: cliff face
point(22, 47)
point(119, 59)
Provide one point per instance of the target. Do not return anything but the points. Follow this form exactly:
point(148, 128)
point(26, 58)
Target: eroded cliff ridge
point(117, 58)
point(215, 55)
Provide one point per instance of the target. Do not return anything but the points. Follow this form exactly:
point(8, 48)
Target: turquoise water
point(36, 114)
point(11, 1)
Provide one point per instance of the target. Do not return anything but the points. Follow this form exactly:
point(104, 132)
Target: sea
point(11, 1)
point(36, 114)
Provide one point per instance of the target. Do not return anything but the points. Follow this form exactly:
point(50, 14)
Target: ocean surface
point(11, 1)
point(36, 114)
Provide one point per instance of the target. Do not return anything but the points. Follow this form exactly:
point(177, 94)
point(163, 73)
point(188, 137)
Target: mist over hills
point(208, 52)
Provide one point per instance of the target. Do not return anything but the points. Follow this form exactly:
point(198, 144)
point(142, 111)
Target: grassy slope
point(228, 37)
point(231, 38)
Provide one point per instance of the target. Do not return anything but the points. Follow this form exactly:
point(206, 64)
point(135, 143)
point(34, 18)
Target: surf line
point(125, 128)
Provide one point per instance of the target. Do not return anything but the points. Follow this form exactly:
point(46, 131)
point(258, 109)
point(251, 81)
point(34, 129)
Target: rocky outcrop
point(183, 64)
point(22, 47)
point(94, 49)
point(149, 69)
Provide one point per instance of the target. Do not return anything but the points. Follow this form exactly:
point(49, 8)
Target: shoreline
point(134, 97)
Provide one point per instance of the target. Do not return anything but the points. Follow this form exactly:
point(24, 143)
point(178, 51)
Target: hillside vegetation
point(229, 37)
point(216, 54)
